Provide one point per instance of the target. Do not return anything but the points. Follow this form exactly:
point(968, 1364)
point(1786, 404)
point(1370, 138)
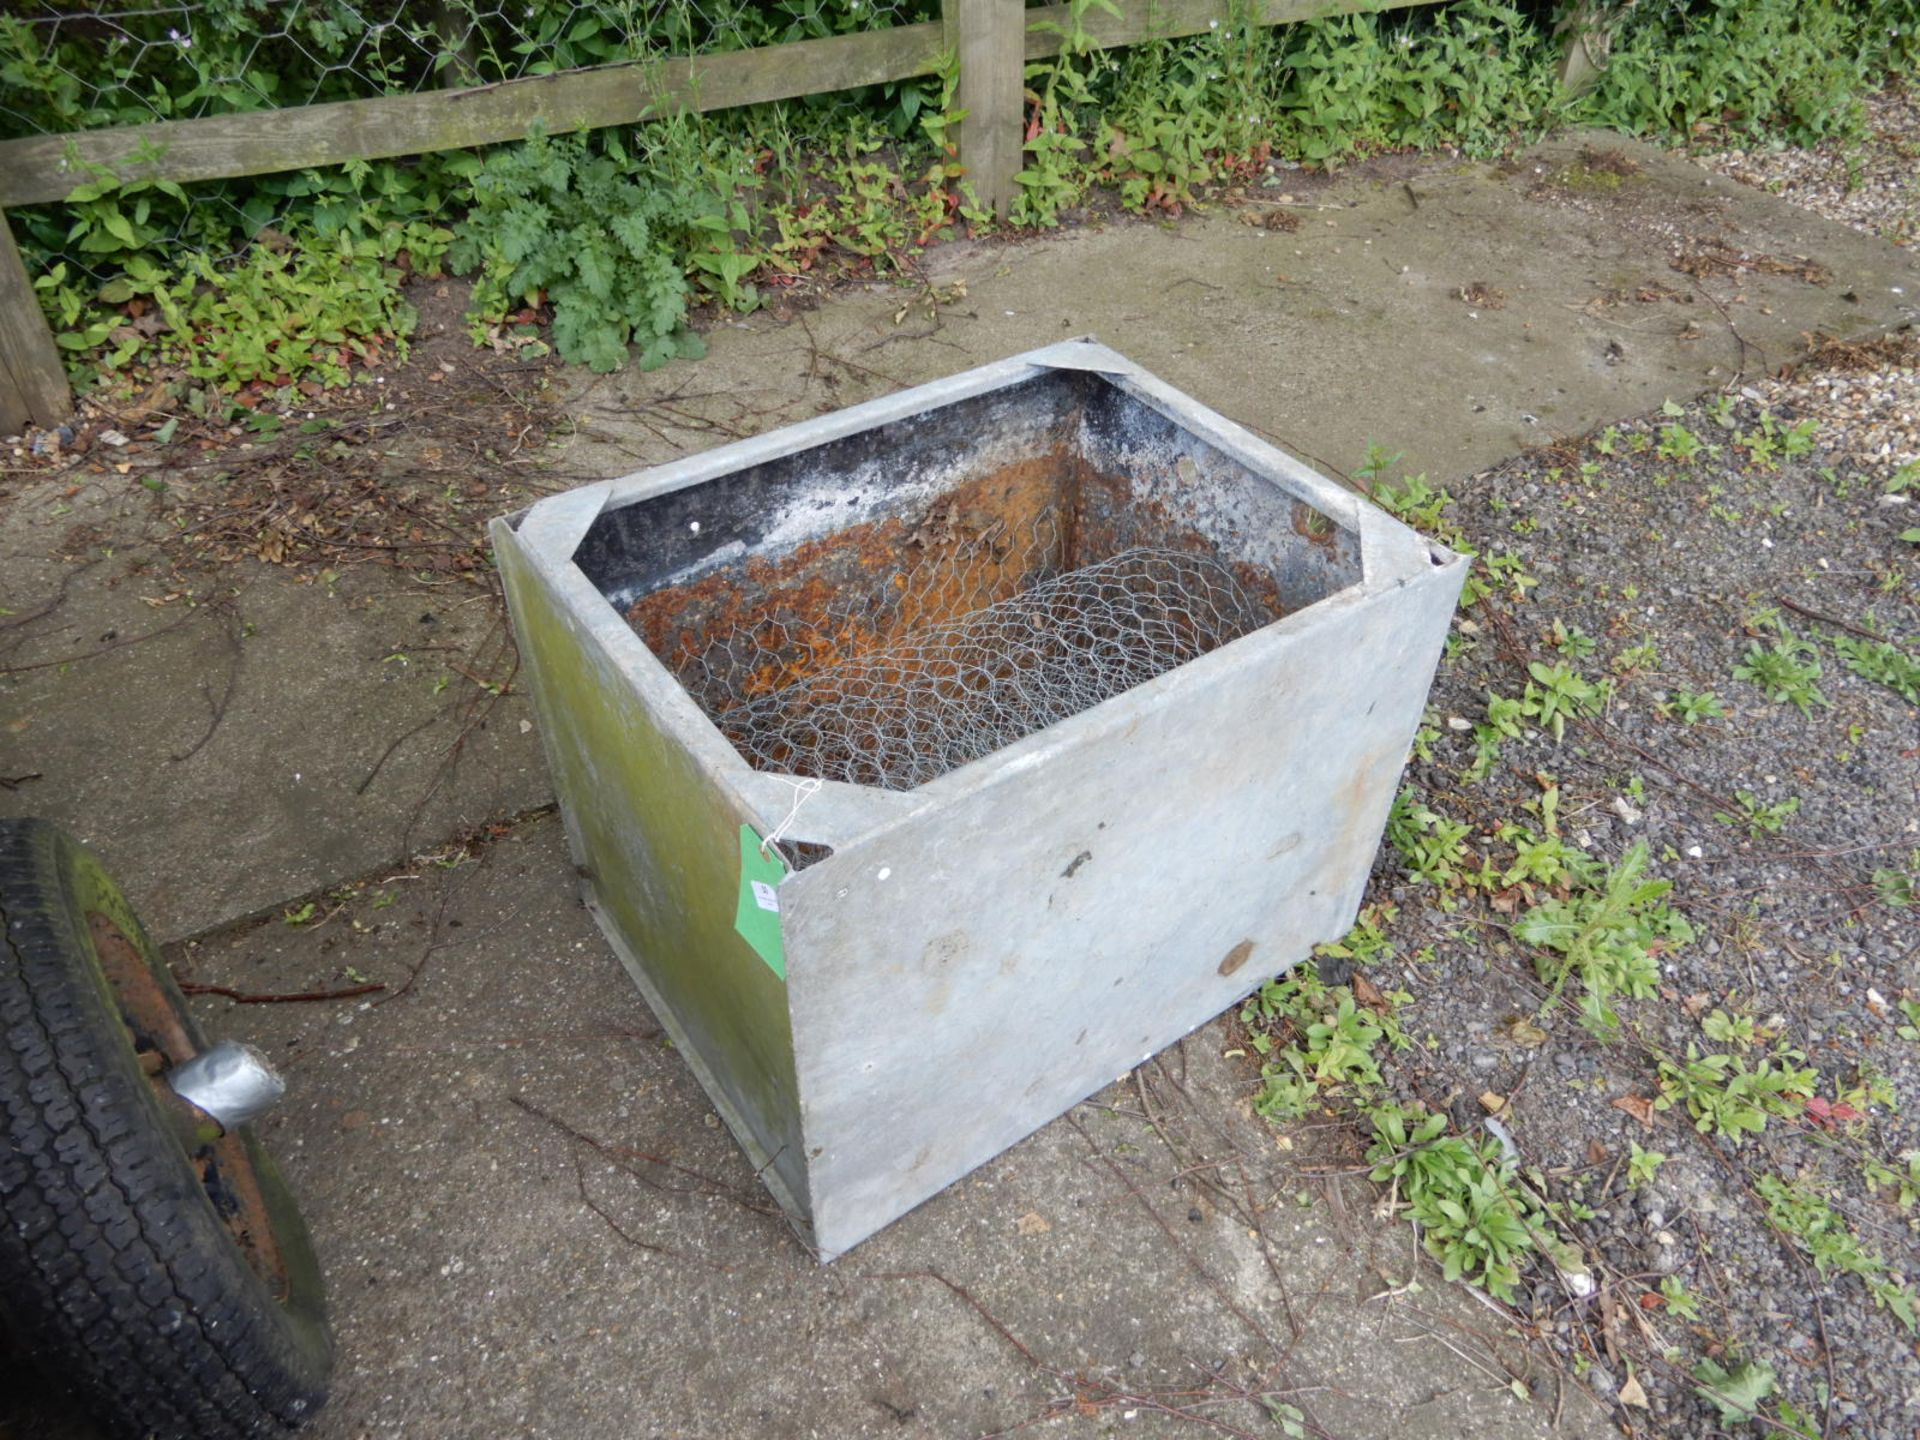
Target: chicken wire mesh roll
point(934, 695)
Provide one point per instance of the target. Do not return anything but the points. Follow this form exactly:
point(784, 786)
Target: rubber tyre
point(118, 1274)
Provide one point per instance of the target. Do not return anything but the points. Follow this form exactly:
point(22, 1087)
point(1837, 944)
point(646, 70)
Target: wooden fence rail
point(989, 40)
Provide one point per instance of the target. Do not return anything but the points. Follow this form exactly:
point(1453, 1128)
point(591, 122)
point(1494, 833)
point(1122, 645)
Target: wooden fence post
point(1586, 36)
point(990, 39)
point(33, 382)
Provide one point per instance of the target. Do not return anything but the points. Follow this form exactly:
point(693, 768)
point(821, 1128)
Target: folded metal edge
point(1082, 352)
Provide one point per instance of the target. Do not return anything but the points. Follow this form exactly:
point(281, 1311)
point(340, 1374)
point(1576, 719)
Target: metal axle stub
point(231, 1083)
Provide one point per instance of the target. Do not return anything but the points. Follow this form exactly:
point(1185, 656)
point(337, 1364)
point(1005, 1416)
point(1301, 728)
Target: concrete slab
point(1355, 327)
point(223, 765)
point(533, 1225)
point(265, 741)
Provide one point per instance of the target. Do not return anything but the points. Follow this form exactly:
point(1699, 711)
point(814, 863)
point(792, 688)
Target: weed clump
point(613, 239)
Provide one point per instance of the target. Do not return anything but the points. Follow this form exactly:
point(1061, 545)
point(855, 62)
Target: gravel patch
point(1653, 559)
point(1656, 561)
point(1872, 185)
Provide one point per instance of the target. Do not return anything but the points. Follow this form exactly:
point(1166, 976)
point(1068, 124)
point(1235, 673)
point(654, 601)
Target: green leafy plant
point(1504, 568)
point(1339, 1046)
point(1893, 888)
point(1642, 1165)
point(1905, 1183)
point(1313, 1037)
point(1881, 662)
point(1507, 715)
point(1475, 1214)
point(1545, 858)
point(1758, 816)
point(1785, 671)
point(1754, 69)
point(1679, 443)
point(1808, 1219)
point(1726, 1096)
point(1432, 845)
point(1486, 752)
point(1737, 1393)
point(1766, 444)
point(1608, 935)
point(1475, 76)
point(1642, 655)
point(302, 307)
point(1291, 1419)
point(1737, 1028)
point(1541, 859)
point(1571, 641)
point(1556, 692)
point(1367, 940)
point(564, 222)
point(1682, 1303)
point(1413, 499)
point(1797, 439)
point(1694, 706)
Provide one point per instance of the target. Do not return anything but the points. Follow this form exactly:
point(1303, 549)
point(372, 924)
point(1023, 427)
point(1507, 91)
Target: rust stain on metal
point(142, 1000)
point(225, 1167)
point(1313, 526)
point(1354, 839)
point(1236, 957)
point(788, 604)
point(841, 596)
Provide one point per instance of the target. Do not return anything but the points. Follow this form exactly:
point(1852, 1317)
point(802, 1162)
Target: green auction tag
point(758, 916)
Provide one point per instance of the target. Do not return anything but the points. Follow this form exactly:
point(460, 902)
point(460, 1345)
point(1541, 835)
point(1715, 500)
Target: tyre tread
point(107, 1272)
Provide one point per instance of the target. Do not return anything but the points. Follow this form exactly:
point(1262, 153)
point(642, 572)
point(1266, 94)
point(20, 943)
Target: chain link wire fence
point(68, 66)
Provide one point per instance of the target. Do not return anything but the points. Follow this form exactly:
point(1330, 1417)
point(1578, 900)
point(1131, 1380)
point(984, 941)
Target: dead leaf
point(1596, 1153)
point(1695, 1004)
point(1523, 1032)
point(1492, 1102)
point(1824, 1112)
point(1638, 1106)
point(1032, 1223)
point(1632, 1394)
point(1368, 994)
